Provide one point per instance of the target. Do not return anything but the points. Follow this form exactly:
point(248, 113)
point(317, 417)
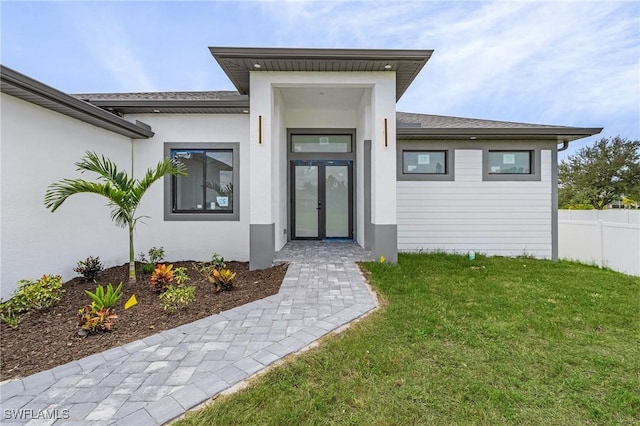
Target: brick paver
point(156, 379)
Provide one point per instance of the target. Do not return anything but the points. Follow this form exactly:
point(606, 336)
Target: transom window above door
point(321, 143)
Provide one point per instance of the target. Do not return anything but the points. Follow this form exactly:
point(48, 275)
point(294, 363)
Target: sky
point(572, 63)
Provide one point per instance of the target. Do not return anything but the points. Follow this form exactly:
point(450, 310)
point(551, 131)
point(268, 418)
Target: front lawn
point(489, 341)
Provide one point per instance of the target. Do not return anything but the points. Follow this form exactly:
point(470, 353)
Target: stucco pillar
point(384, 241)
point(262, 227)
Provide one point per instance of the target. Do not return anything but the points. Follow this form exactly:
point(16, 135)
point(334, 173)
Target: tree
point(123, 192)
point(600, 174)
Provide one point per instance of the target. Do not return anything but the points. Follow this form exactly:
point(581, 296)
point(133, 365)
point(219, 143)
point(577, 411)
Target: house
point(310, 146)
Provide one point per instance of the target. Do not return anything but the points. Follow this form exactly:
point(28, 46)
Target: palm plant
point(123, 192)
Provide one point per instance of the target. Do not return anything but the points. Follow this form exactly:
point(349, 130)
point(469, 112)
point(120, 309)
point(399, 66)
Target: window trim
point(170, 215)
point(423, 146)
point(533, 175)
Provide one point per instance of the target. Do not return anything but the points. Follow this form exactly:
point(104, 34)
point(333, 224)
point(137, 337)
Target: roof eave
point(298, 53)
point(150, 103)
point(222, 55)
point(570, 133)
point(24, 85)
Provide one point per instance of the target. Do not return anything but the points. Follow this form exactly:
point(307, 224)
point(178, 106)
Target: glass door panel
point(306, 201)
point(336, 184)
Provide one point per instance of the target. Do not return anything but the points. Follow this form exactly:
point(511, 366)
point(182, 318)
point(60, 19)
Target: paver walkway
point(156, 379)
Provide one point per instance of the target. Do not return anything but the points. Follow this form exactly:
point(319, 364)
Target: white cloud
point(574, 63)
point(115, 49)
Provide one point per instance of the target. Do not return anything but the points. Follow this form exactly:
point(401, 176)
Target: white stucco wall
point(280, 210)
point(468, 214)
point(192, 240)
point(383, 151)
point(363, 132)
point(367, 117)
point(39, 147)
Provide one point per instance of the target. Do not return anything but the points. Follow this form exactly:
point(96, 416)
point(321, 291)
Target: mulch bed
point(49, 338)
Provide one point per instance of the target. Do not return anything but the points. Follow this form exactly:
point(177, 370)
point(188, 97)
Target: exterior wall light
point(386, 139)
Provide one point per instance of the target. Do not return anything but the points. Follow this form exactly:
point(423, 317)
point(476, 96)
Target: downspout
point(554, 201)
point(131, 158)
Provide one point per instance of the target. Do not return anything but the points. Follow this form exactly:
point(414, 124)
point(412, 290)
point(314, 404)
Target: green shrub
point(180, 275)
point(217, 262)
point(11, 311)
point(156, 255)
point(98, 317)
point(31, 295)
point(41, 294)
point(9, 317)
point(162, 276)
point(94, 321)
point(89, 268)
point(147, 268)
point(102, 299)
point(175, 298)
point(222, 279)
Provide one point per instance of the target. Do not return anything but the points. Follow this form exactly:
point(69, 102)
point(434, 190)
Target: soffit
point(347, 98)
point(237, 63)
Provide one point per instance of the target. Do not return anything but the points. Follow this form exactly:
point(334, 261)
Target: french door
point(321, 199)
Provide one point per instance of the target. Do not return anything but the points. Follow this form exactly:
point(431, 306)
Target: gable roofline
point(26, 88)
point(238, 62)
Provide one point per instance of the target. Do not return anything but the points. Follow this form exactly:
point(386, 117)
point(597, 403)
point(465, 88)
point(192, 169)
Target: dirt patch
point(46, 339)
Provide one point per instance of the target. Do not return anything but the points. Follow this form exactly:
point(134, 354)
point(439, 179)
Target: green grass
point(490, 341)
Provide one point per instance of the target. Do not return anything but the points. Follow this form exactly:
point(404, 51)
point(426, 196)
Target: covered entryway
point(321, 183)
point(321, 199)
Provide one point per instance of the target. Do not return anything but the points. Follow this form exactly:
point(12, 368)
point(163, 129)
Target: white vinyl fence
point(607, 238)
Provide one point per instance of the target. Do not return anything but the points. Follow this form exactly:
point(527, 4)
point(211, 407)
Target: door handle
point(319, 206)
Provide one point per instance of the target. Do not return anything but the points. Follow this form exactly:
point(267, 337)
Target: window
point(209, 191)
point(321, 143)
point(510, 162)
point(424, 162)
